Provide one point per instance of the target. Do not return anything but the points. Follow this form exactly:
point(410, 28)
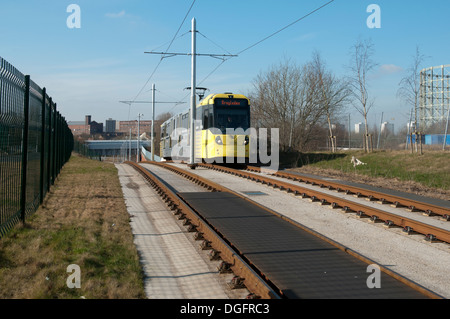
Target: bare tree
point(361, 64)
point(276, 99)
point(333, 94)
point(409, 89)
point(288, 97)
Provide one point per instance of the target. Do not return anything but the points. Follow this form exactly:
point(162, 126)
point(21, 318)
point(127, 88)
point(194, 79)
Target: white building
point(359, 128)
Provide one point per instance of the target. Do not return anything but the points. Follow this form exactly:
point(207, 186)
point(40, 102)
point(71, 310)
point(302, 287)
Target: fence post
point(49, 153)
point(41, 177)
point(23, 185)
point(55, 128)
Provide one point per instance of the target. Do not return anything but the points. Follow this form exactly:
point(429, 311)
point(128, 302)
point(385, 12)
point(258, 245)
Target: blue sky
point(90, 69)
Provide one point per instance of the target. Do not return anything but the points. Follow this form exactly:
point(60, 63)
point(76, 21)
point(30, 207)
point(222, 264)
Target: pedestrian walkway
point(174, 266)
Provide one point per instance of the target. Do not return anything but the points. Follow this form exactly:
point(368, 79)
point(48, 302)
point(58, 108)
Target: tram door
point(206, 132)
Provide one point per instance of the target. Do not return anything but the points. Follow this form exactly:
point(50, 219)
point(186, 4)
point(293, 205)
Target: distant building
point(110, 126)
point(387, 127)
point(86, 127)
point(410, 126)
point(359, 128)
point(144, 126)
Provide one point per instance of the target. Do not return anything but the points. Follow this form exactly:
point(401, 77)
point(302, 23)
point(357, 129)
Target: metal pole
point(138, 137)
point(129, 147)
point(379, 133)
point(349, 133)
point(153, 120)
point(193, 102)
point(409, 130)
point(446, 128)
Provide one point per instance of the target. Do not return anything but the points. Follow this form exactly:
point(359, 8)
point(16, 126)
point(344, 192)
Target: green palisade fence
point(35, 142)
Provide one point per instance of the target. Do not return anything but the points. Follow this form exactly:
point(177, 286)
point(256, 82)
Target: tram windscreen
point(232, 117)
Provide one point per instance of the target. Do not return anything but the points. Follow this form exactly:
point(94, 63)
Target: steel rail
point(428, 208)
point(258, 286)
point(217, 187)
point(409, 225)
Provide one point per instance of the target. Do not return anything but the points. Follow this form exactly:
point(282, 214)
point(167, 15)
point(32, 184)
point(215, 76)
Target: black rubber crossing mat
point(299, 263)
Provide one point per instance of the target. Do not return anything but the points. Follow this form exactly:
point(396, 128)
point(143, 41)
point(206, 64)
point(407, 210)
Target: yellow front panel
point(231, 147)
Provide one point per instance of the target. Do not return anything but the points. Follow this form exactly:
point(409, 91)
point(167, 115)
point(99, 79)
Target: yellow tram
point(221, 131)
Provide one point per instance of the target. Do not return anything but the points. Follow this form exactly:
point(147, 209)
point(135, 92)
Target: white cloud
point(390, 68)
point(305, 37)
point(116, 15)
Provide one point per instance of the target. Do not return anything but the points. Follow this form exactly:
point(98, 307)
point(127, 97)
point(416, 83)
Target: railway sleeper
point(388, 223)
point(198, 236)
point(428, 212)
point(335, 205)
point(214, 254)
point(186, 222)
point(374, 218)
point(192, 228)
point(397, 204)
point(347, 209)
point(236, 283)
point(224, 268)
point(205, 245)
point(360, 214)
point(430, 238)
point(408, 230)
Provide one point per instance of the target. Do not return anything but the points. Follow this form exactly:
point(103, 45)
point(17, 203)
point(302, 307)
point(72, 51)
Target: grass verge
point(425, 174)
point(82, 221)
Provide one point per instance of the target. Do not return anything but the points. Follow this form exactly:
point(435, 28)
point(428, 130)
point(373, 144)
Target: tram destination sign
point(230, 102)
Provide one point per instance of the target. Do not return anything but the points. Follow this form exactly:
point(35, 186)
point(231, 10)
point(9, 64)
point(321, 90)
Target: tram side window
point(205, 119)
point(211, 117)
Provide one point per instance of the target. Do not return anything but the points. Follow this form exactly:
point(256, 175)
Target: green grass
point(83, 221)
point(432, 169)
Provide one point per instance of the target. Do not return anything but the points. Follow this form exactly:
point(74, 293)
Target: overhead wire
point(162, 57)
point(245, 49)
point(262, 40)
point(287, 26)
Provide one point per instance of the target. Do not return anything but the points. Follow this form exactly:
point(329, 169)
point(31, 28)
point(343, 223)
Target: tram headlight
point(219, 140)
point(246, 140)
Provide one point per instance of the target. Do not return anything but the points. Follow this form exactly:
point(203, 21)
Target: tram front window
point(226, 118)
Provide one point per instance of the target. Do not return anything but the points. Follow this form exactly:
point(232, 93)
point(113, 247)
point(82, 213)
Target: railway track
point(413, 204)
point(409, 225)
point(257, 281)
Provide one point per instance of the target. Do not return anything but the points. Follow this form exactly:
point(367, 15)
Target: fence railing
point(35, 142)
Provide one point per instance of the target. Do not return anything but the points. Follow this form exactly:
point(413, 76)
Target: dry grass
point(83, 221)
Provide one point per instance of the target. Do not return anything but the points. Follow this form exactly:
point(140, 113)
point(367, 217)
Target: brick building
point(87, 127)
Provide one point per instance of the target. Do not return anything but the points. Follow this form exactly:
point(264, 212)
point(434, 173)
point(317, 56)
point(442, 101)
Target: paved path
point(174, 265)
